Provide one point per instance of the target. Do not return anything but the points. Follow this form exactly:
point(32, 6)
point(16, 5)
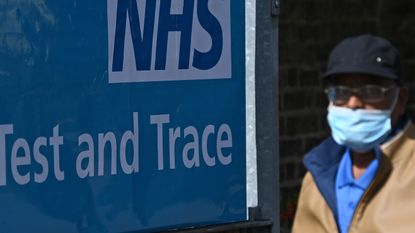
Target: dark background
point(309, 29)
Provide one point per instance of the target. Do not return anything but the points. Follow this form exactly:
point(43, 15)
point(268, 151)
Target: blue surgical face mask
point(361, 129)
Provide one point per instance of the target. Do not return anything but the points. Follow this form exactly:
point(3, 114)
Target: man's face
point(369, 88)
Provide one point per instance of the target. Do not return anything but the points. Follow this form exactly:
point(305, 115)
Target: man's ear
point(403, 99)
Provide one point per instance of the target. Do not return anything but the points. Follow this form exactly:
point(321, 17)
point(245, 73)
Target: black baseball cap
point(365, 54)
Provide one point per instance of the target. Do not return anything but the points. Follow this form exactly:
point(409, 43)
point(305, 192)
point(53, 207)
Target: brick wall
point(309, 29)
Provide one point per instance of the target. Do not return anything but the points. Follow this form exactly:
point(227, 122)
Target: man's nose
point(355, 102)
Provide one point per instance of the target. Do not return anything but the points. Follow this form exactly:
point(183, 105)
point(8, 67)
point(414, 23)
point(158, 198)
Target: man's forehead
point(360, 79)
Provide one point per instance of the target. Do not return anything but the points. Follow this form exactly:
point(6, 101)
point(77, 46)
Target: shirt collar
point(345, 176)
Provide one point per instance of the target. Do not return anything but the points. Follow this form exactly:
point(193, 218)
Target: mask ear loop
point(395, 101)
point(331, 106)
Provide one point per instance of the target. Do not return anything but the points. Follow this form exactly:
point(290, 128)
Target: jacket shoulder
point(313, 214)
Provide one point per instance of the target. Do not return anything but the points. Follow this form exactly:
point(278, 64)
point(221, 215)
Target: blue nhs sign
point(165, 40)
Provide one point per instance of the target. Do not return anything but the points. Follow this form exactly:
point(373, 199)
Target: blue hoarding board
point(121, 115)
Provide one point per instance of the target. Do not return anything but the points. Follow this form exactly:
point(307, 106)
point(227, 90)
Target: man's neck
point(360, 162)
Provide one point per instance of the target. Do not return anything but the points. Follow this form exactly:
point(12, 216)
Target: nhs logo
point(165, 40)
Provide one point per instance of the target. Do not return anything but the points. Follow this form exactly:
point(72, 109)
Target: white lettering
point(102, 141)
point(192, 145)
point(41, 159)
point(133, 137)
point(189, 144)
point(20, 161)
point(210, 161)
point(159, 120)
point(173, 135)
point(56, 141)
point(4, 130)
point(86, 154)
point(224, 129)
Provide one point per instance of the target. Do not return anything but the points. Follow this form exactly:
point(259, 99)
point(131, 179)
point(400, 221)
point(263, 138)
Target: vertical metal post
point(266, 89)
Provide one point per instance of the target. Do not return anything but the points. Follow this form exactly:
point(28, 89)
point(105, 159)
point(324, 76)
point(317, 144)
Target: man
point(362, 178)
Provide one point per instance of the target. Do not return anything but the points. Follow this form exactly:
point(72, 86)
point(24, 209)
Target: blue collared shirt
point(349, 190)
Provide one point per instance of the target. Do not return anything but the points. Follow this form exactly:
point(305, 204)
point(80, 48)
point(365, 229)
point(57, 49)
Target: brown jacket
point(388, 205)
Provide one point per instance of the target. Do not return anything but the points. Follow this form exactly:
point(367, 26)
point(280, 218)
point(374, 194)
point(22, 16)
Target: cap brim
point(360, 69)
